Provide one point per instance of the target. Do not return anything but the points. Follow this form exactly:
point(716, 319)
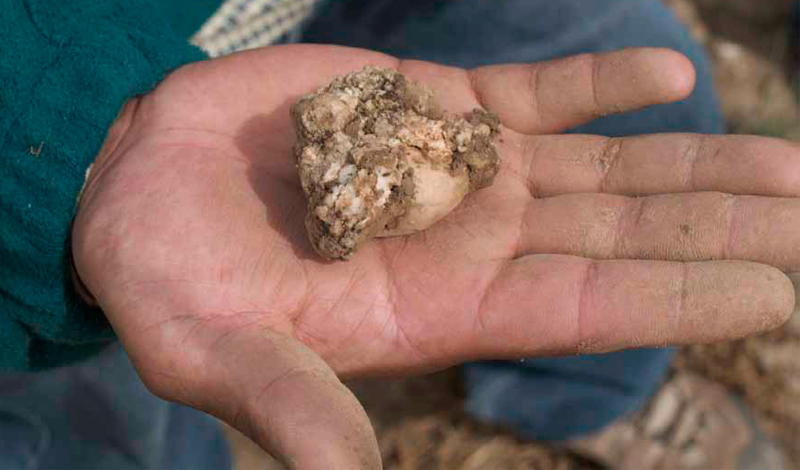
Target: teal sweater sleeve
point(66, 68)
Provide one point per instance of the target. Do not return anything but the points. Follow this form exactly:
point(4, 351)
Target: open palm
point(190, 236)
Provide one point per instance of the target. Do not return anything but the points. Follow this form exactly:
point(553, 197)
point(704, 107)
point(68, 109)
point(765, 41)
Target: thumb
point(302, 414)
point(290, 402)
point(271, 388)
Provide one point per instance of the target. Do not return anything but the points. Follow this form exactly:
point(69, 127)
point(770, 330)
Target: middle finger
point(672, 227)
point(656, 164)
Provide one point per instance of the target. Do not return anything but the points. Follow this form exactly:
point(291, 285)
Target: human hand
point(190, 236)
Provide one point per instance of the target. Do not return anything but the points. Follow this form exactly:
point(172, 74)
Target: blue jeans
point(560, 398)
point(98, 415)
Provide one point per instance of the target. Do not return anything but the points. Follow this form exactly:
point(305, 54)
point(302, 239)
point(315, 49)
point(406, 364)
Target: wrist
point(115, 136)
point(79, 286)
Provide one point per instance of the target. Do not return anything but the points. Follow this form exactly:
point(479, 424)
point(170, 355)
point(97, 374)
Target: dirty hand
point(190, 236)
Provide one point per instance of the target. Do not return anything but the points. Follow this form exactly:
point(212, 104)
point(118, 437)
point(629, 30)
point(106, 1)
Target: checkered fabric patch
point(246, 24)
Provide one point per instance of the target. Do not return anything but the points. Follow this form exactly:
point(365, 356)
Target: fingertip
point(786, 300)
point(677, 73)
point(685, 76)
point(766, 297)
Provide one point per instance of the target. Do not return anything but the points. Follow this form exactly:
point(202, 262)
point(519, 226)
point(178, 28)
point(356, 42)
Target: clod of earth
point(378, 157)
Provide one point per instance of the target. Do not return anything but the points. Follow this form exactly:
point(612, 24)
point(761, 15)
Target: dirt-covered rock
point(378, 157)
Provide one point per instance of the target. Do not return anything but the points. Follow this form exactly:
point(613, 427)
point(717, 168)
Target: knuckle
point(606, 160)
point(534, 94)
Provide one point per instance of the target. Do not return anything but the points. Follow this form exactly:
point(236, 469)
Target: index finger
point(550, 97)
point(543, 97)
